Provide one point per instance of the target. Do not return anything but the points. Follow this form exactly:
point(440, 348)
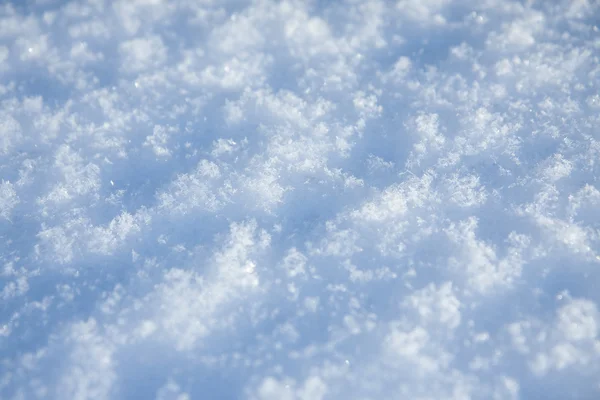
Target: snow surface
point(204, 199)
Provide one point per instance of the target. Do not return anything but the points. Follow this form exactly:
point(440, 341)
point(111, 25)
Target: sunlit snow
point(299, 200)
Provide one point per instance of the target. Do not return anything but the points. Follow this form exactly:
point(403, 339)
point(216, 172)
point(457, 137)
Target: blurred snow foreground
point(299, 199)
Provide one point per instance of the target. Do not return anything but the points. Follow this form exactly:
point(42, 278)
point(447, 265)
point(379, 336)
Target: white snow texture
point(300, 199)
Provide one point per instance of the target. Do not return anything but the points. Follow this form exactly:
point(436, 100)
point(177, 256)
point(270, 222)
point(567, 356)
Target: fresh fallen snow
point(299, 199)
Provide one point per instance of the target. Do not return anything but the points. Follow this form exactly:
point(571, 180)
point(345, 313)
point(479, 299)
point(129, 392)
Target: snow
point(291, 199)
